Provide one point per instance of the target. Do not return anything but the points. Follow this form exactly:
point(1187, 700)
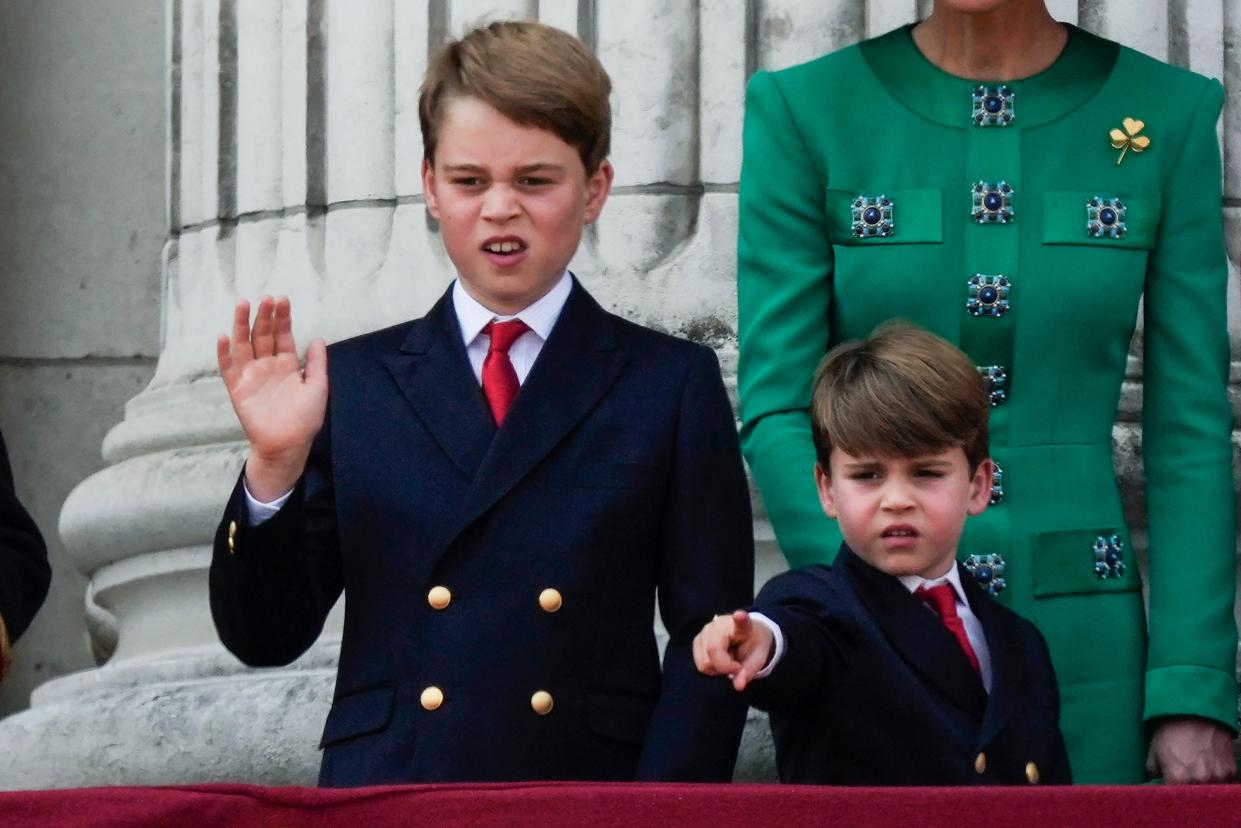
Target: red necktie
point(500, 385)
point(943, 599)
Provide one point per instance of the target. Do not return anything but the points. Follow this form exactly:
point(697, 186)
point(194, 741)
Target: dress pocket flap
point(1082, 561)
point(913, 216)
point(623, 718)
point(359, 713)
point(1077, 217)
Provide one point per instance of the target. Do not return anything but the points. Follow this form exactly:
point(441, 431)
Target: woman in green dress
point(1017, 186)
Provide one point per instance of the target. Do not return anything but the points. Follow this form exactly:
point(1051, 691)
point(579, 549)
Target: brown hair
point(901, 392)
point(533, 74)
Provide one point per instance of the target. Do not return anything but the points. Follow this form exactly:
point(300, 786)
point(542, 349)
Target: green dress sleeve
point(1187, 423)
point(784, 268)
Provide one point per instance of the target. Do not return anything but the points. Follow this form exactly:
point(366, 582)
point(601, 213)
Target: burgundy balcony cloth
point(602, 805)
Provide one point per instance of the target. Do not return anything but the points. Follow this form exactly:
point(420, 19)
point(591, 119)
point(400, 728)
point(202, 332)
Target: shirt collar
point(540, 317)
point(912, 582)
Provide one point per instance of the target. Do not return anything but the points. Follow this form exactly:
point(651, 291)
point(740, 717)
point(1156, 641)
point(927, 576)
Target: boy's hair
point(533, 74)
point(901, 392)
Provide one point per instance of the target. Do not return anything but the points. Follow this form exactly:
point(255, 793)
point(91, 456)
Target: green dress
point(875, 185)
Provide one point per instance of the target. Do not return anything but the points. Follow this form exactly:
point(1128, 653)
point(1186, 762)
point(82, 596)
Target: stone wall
point(293, 153)
point(82, 226)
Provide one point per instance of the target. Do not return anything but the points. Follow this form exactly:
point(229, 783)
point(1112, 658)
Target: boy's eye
point(864, 475)
point(928, 473)
point(467, 181)
point(533, 181)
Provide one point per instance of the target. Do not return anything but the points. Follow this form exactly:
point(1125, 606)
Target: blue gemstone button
point(988, 571)
point(1105, 218)
point(992, 203)
point(993, 106)
point(872, 216)
point(994, 381)
point(1109, 557)
point(987, 295)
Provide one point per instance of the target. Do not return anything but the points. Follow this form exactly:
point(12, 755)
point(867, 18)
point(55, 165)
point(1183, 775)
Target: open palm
point(280, 407)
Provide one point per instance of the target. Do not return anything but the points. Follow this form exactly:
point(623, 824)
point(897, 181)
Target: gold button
point(432, 698)
point(1032, 773)
point(542, 702)
point(232, 536)
point(980, 763)
point(439, 597)
point(550, 600)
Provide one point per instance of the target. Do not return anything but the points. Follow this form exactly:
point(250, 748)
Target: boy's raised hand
point(733, 646)
point(280, 407)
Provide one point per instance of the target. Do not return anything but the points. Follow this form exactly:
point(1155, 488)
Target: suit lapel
point(433, 372)
point(1005, 649)
point(917, 635)
point(579, 362)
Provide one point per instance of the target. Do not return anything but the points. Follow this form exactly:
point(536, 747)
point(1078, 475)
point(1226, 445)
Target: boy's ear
point(598, 186)
point(428, 188)
point(827, 498)
point(980, 487)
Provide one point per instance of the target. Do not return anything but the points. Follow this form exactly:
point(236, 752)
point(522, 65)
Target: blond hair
point(901, 392)
point(534, 74)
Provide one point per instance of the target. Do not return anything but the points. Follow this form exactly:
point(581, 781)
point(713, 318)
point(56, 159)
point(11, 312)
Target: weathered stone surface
point(83, 173)
point(54, 418)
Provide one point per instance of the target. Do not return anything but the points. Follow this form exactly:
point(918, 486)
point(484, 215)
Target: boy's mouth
point(504, 249)
point(899, 535)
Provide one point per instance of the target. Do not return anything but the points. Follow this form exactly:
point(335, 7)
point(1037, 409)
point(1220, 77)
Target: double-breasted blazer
point(1015, 229)
point(874, 690)
point(500, 585)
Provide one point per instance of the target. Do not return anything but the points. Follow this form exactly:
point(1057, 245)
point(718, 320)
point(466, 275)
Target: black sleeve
point(706, 567)
point(272, 585)
point(817, 641)
point(24, 573)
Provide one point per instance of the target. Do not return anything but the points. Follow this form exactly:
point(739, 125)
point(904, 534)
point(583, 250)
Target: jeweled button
point(439, 597)
point(1107, 216)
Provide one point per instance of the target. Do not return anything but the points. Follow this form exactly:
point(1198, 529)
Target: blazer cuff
point(1189, 690)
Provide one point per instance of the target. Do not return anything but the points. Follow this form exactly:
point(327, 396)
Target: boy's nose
point(499, 204)
point(896, 498)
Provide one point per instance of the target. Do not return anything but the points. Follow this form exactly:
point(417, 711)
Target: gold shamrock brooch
point(1130, 138)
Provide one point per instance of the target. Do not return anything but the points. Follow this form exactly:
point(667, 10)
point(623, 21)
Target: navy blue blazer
point(616, 474)
point(874, 690)
point(24, 572)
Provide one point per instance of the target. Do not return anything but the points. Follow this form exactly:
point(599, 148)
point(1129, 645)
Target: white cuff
point(777, 651)
point(259, 512)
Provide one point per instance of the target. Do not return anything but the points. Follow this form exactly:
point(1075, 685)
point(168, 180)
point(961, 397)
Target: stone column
point(293, 167)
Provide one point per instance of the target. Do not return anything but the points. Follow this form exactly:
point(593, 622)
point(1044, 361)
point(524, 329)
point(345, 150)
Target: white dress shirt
point(973, 627)
point(472, 317)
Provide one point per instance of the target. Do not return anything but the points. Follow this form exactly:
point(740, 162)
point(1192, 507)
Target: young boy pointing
point(892, 667)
